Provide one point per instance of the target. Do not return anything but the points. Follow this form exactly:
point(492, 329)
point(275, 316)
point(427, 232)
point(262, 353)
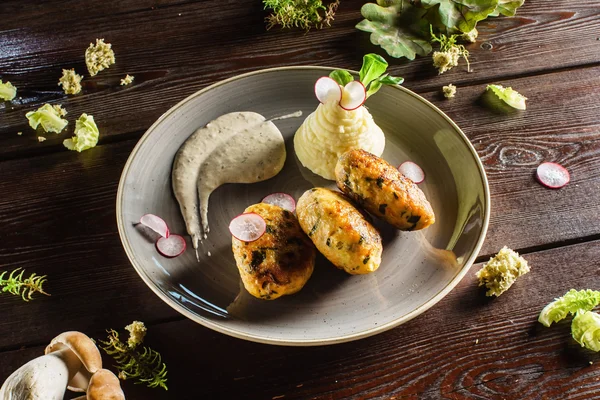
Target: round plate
point(418, 268)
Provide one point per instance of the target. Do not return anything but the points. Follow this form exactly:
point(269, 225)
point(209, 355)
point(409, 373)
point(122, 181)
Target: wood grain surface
point(467, 346)
point(189, 55)
point(58, 207)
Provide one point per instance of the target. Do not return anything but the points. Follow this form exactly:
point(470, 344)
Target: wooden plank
point(32, 13)
point(59, 220)
point(65, 209)
point(466, 347)
point(560, 125)
point(197, 50)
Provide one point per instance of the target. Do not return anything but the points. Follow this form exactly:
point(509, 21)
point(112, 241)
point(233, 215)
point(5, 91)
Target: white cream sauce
point(239, 147)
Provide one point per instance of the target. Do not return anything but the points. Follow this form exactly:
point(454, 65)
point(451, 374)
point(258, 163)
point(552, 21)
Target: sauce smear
point(239, 147)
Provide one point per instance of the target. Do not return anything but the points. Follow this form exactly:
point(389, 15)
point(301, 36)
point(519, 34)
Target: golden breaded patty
point(281, 261)
point(339, 231)
point(383, 191)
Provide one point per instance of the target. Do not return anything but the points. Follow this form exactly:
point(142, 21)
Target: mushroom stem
point(44, 377)
point(70, 359)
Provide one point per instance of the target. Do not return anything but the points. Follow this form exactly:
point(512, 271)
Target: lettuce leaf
point(585, 329)
point(341, 76)
point(7, 91)
point(86, 134)
point(397, 26)
point(509, 96)
point(49, 117)
point(462, 14)
point(572, 302)
point(372, 68)
point(507, 8)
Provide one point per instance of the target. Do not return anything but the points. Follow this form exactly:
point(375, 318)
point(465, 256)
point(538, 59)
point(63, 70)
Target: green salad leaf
point(462, 14)
point(507, 8)
point(373, 67)
point(371, 74)
point(396, 26)
point(49, 117)
point(585, 329)
point(509, 96)
point(341, 76)
point(401, 27)
point(86, 134)
point(572, 302)
point(7, 91)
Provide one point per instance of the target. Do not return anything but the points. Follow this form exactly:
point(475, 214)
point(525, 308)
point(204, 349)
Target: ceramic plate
point(418, 268)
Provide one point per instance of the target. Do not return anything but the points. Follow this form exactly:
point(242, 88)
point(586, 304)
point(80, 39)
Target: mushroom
point(104, 385)
point(70, 360)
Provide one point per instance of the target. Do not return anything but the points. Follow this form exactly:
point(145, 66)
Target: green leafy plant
point(135, 361)
point(24, 287)
point(372, 74)
point(461, 15)
point(507, 8)
point(397, 27)
point(401, 27)
point(585, 327)
point(304, 14)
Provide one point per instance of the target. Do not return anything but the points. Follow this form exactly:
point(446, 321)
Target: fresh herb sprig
point(16, 284)
point(372, 74)
point(134, 361)
point(450, 52)
point(304, 14)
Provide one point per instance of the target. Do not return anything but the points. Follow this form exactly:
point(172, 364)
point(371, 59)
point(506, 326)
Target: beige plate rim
point(299, 342)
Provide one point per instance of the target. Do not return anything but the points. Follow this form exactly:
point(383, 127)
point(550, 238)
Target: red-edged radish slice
point(326, 89)
point(354, 95)
point(282, 200)
point(552, 175)
point(412, 171)
point(172, 246)
point(157, 224)
point(247, 227)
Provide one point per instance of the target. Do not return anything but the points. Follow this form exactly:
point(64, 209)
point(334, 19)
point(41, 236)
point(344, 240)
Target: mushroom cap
point(85, 349)
point(104, 385)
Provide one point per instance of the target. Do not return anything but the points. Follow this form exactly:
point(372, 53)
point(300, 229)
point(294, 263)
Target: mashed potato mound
point(330, 131)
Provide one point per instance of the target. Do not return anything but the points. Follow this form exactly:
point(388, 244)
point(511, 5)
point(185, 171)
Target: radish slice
point(412, 171)
point(172, 246)
point(552, 175)
point(326, 89)
point(157, 224)
point(282, 200)
point(354, 95)
point(247, 227)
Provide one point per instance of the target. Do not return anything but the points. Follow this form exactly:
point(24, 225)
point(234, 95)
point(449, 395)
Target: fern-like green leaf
point(24, 287)
point(144, 366)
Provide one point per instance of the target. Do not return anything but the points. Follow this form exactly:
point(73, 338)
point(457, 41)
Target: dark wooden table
point(57, 207)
